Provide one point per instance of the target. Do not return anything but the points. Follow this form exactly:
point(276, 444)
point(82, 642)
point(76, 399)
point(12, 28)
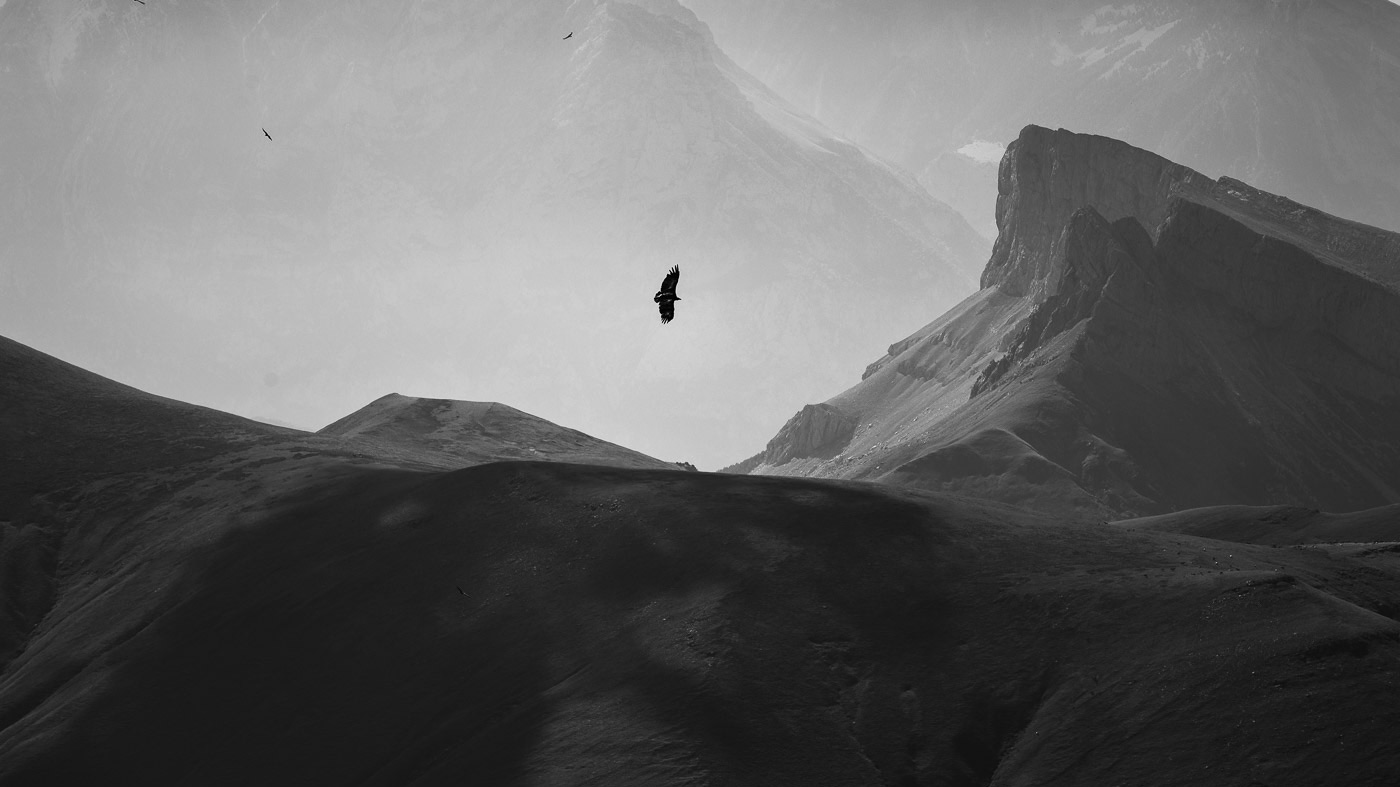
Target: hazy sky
point(459, 203)
point(455, 203)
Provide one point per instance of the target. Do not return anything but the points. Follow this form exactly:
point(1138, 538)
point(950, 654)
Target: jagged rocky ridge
point(1147, 340)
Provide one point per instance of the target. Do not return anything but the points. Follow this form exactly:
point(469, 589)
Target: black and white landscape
point(1290, 96)
point(1124, 510)
point(454, 202)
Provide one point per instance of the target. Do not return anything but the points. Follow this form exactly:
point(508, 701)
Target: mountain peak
point(1148, 339)
point(478, 432)
point(1046, 176)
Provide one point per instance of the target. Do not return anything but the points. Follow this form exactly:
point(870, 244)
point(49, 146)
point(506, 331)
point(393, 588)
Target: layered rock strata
point(1147, 340)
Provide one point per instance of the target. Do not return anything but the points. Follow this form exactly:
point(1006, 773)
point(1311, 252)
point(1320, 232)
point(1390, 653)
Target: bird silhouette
point(460, 590)
point(269, 136)
point(570, 35)
point(666, 297)
point(142, 2)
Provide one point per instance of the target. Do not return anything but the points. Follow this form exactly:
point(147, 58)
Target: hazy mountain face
point(454, 202)
point(1291, 96)
point(1148, 340)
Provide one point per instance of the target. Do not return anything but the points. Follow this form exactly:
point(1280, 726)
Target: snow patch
point(1129, 45)
point(1093, 24)
point(982, 151)
point(1144, 37)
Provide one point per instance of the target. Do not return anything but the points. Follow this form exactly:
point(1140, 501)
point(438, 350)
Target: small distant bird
point(269, 136)
point(667, 297)
point(460, 590)
point(142, 2)
point(566, 38)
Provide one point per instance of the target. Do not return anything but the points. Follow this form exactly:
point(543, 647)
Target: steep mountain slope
point(455, 200)
point(1284, 95)
point(334, 618)
point(1147, 340)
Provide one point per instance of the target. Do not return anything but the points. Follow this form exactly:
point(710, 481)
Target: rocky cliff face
point(1046, 176)
point(1149, 340)
point(816, 430)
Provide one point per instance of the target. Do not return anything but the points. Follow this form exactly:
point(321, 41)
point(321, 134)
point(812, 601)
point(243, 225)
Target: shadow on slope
point(1276, 525)
point(62, 425)
point(649, 627)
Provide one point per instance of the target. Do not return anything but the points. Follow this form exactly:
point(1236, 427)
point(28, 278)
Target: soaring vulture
point(667, 297)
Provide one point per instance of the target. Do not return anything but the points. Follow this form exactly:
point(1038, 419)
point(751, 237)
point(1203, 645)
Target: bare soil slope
point(648, 627)
point(476, 432)
point(331, 618)
point(1277, 525)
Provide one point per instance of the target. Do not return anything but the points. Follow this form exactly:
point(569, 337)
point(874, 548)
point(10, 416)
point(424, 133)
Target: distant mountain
point(1287, 95)
point(188, 597)
point(82, 453)
point(1147, 340)
point(455, 200)
point(478, 432)
point(64, 427)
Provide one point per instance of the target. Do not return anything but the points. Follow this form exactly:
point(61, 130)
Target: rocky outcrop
point(1149, 340)
point(817, 430)
point(1047, 176)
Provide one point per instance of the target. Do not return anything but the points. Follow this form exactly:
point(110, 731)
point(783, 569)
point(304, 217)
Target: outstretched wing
point(668, 311)
point(668, 284)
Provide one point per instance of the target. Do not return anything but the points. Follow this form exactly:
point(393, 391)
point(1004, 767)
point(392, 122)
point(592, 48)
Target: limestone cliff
point(1147, 339)
point(1047, 175)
